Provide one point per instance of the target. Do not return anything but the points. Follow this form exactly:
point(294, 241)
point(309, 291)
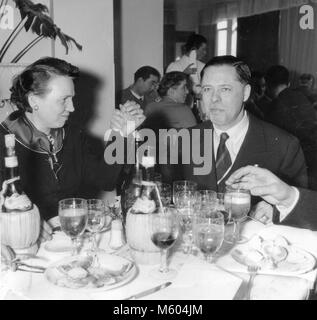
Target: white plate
point(112, 263)
point(59, 243)
point(297, 261)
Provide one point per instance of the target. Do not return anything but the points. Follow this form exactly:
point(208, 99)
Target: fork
point(252, 269)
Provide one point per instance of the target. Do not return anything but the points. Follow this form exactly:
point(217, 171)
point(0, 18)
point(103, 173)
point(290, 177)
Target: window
point(226, 37)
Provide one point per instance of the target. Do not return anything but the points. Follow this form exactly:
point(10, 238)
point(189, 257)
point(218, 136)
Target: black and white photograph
point(162, 152)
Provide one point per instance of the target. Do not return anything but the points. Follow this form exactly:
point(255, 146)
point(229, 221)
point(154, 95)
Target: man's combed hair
point(243, 71)
point(145, 72)
point(194, 41)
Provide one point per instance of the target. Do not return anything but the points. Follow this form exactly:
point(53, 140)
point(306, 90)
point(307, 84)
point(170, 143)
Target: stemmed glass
point(239, 202)
point(165, 193)
point(73, 216)
point(185, 203)
point(96, 221)
point(164, 233)
point(209, 233)
point(183, 185)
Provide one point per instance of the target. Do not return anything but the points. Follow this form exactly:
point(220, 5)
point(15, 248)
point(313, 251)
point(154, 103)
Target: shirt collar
point(238, 129)
point(28, 135)
point(136, 95)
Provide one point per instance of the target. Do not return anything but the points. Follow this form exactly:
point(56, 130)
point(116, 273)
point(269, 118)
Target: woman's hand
point(45, 232)
point(128, 118)
point(8, 257)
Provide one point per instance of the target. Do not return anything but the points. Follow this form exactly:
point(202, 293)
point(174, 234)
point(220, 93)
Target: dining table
point(196, 278)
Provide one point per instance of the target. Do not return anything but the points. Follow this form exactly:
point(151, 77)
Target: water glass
point(238, 202)
point(183, 185)
point(165, 190)
point(185, 203)
point(73, 216)
point(209, 234)
point(97, 215)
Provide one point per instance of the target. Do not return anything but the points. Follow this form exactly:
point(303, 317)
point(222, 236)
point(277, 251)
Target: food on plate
point(267, 253)
point(80, 272)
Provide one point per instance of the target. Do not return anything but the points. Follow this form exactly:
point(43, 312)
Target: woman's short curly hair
point(171, 79)
point(34, 79)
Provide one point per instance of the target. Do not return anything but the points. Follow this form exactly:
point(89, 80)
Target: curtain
point(297, 47)
point(213, 13)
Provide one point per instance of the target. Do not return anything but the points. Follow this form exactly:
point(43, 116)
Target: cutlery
point(252, 269)
point(149, 291)
point(21, 266)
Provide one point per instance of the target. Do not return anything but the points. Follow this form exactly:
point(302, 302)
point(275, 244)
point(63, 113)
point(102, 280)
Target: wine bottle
point(14, 199)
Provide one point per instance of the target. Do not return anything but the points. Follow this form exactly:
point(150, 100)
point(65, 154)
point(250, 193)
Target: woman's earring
point(35, 108)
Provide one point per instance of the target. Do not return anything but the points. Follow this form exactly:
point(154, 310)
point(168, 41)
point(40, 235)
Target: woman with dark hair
point(54, 157)
point(171, 111)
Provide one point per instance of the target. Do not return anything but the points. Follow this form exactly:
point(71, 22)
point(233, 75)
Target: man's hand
point(45, 232)
point(263, 212)
point(262, 182)
point(190, 69)
point(128, 118)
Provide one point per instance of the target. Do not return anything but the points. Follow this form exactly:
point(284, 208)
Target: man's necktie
point(223, 160)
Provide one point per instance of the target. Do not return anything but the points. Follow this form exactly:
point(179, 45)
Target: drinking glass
point(183, 185)
point(97, 215)
point(164, 233)
point(165, 190)
point(209, 233)
point(73, 216)
point(206, 201)
point(238, 202)
point(185, 204)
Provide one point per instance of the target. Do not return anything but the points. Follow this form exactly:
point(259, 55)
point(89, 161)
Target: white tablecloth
point(196, 279)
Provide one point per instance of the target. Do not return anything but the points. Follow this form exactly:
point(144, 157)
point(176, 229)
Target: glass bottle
point(14, 199)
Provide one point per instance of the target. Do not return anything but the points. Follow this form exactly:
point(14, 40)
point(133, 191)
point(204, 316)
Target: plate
point(59, 243)
point(274, 256)
point(77, 273)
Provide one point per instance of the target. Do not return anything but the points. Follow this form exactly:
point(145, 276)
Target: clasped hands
point(127, 119)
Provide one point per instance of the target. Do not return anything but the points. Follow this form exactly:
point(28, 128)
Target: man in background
point(143, 90)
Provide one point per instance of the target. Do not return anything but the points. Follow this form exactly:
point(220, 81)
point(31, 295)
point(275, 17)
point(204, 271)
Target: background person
point(143, 89)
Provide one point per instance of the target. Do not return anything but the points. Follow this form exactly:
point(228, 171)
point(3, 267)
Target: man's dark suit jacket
point(304, 215)
point(264, 145)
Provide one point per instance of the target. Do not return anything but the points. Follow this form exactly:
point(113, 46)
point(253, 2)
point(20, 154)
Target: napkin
point(199, 280)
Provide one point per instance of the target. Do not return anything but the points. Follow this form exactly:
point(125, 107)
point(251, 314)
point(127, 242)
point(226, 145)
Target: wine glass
point(206, 201)
point(239, 202)
point(165, 193)
point(185, 204)
point(183, 185)
point(209, 233)
point(97, 216)
point(73, 216)
point(164, 233)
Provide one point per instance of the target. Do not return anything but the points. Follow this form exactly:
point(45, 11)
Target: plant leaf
point(42, 24)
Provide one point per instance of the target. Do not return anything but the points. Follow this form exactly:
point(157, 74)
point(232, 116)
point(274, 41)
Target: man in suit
point(238, 138)
point(297, 206)
point(143, 90)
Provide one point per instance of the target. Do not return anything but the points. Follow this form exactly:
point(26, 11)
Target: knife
point(149, 291)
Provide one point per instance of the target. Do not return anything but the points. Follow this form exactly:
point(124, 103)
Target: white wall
point(91, 24)
point(142, 36)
